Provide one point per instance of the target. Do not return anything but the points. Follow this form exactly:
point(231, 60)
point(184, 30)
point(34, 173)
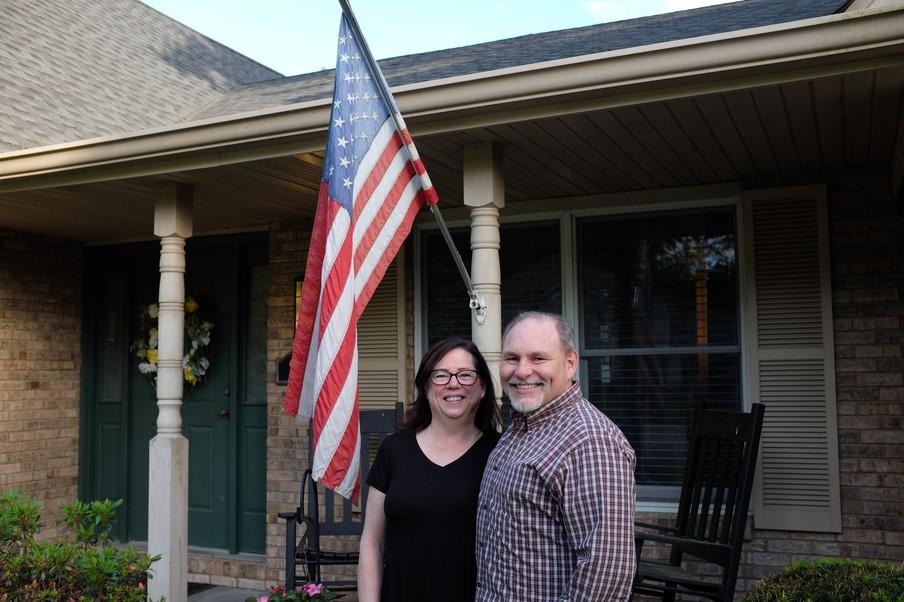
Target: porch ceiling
point(789, 132)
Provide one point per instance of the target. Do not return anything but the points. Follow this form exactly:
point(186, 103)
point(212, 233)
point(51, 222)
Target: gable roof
point(81, 69)
point(119, 67)
point(530, 49)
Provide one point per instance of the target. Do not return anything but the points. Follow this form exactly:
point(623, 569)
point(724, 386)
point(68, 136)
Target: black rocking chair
point(328, 514)
point(712, 512)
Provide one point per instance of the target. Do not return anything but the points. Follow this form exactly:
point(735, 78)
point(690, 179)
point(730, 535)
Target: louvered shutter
point(790, 359)
point(381, 339)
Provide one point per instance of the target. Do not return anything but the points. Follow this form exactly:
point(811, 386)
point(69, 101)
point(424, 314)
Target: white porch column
point(168, 482)
point(484, 192)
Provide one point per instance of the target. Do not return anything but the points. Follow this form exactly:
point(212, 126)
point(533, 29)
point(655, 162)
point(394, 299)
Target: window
point(658, 306)
point(530, 261)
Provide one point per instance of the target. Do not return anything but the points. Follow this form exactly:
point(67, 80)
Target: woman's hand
point(370, 561)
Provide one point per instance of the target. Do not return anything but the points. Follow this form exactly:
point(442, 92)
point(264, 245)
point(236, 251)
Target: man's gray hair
point(563, 328)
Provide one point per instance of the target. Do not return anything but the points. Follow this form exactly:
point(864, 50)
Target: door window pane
point(659, 330)
point(256, 336)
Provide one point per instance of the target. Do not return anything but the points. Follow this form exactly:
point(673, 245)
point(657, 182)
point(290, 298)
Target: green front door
point(224, 417)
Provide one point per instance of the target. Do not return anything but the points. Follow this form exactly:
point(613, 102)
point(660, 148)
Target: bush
point(833, 581)
point(87, 570)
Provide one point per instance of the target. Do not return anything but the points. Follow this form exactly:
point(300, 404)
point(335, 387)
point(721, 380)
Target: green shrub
point(832, 580)
point(87, 570)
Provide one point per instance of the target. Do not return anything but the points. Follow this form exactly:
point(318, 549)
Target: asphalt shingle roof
point(535, 48)
point(81, 69)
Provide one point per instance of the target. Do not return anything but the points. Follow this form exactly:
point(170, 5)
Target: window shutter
point(381, 339)
point(790, 357)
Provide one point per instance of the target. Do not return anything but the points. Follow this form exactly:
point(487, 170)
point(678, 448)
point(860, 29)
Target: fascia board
point(811, 48)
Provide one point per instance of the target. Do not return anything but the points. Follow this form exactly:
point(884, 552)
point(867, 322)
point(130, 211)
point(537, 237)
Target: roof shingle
point(82, 69)
point(529, 49)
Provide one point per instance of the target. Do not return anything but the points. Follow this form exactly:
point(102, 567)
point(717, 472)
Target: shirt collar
point(549, 411)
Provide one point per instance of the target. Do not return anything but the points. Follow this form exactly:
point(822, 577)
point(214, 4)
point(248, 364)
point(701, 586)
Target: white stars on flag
point(357, 116)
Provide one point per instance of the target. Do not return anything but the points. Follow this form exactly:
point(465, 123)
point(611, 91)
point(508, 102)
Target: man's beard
point(524, 407)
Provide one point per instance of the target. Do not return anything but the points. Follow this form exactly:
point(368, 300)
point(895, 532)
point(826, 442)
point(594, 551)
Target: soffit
point(785, 133)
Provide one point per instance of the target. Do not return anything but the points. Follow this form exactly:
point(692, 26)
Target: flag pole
point(477, 303)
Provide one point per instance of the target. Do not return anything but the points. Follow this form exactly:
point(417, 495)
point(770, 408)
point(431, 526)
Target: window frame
point(572, 210)
point(658, 493)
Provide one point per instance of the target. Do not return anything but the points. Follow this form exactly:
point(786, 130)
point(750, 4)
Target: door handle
point(224, 412)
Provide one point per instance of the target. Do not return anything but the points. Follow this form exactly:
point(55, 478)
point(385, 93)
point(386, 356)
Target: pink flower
point(263, 598)
point(312, 589)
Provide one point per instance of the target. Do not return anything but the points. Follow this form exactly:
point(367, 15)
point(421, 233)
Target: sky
point(299, 36)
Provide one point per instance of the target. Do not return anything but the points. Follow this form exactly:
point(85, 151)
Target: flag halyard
point(373, 185)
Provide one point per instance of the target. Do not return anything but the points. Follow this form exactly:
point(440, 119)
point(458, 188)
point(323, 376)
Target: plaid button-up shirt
point(555, 519)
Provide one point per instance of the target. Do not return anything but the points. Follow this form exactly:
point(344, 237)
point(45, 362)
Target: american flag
point(373, 186)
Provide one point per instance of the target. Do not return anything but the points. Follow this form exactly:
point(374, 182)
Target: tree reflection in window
point(659, 325)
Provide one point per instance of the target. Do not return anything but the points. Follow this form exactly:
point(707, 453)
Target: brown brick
point(856, 365)
point(885, 379)
point(891, 394)
point(40, 300)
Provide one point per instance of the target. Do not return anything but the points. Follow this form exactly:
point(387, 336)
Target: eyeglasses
point(443, 377)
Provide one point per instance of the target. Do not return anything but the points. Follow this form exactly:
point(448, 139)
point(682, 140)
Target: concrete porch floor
point(223, 594)
point(231, 594)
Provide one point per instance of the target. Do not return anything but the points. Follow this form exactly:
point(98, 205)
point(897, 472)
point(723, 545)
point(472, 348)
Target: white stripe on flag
point(337, 422)
point(307, 398)
point(380, 197)
point(347, 486)
point(375, 254)
point(334, 333)
point(373, 154)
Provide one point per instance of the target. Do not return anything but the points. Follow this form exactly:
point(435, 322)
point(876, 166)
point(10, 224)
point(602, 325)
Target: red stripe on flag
point(390, 252)
point(376, 174)
point(345, 453)
point(340, 271)
point(430, 196)
point(331, 394)
point(386, 208)
point(310, 298)
point(334, 381)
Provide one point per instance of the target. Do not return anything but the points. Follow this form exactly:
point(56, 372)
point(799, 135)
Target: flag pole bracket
point(479, 305)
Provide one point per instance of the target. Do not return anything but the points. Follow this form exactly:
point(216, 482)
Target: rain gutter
point(800, 50)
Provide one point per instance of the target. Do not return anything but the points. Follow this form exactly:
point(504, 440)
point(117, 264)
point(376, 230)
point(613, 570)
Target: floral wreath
point(195, 363)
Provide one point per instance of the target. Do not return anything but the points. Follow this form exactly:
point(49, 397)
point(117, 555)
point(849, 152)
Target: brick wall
point(40, 332)
point(287, 446)
point(867, 260)
point(868, 302)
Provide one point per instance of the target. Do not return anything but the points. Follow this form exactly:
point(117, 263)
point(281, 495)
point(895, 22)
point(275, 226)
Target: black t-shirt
point(431, 518)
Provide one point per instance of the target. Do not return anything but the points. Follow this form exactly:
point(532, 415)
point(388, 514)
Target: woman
point(419, 530)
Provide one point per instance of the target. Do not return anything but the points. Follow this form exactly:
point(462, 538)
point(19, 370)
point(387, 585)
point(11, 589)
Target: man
point(556, 513)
